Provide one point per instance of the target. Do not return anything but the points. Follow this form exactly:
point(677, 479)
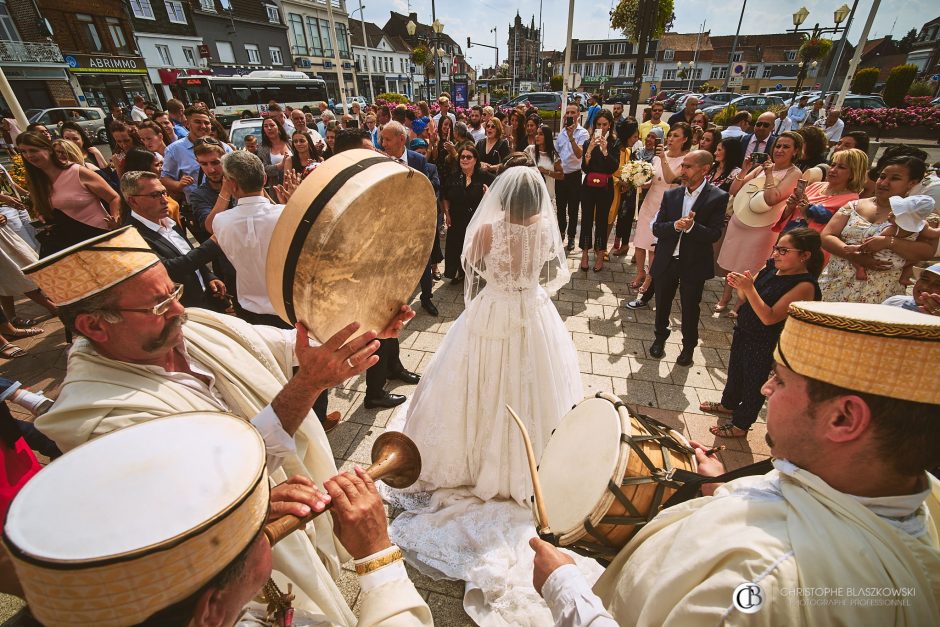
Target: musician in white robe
point(134, 360)
point(844, 530)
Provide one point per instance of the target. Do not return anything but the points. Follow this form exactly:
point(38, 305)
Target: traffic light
point(468, 41)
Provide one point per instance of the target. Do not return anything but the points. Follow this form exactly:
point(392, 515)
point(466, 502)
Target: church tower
point(523, 50)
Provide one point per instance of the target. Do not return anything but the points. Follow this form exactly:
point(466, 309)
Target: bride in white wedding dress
point(468, 517)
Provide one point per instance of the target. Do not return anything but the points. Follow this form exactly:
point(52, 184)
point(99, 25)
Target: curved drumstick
point(542, 518)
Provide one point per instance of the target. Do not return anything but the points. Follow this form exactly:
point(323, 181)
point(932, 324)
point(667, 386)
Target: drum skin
point(359, 260)
point(586, 453)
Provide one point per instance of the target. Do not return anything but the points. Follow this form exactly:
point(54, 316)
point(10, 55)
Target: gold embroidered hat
point(137, 520)
point(92, 266)
point(883, 350)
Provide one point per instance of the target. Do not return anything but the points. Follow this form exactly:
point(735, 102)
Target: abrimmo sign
point(99, 64)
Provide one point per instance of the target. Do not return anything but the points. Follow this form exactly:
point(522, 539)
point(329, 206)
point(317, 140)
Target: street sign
point(735, 81)
point(738, 69)
point(653, 88)
point(935, 77)
point(778, 86)
point(574, 80)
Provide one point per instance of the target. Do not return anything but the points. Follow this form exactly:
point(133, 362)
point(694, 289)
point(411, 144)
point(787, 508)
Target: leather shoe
point(332, 419)
point(406, 376)
point(385, 401)
point(685, 357)
point(429, 307)
point(657, 349)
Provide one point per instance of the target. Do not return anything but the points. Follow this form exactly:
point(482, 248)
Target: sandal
point(27, 332)
point(30, 322)
point(646, 285)
point(637, 283)
point(727, 431)
point(11, 351)
point(711, 407)
point(732, 314)
point(719, 307)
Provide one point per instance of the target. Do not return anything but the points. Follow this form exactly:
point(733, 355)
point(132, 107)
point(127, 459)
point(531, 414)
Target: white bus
point(230, 96)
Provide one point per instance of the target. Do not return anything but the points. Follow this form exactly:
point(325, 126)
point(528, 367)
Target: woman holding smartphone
point(599, 163)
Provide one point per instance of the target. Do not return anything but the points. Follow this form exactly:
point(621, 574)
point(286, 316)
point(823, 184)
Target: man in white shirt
point(147, 198)
point(299, 120)
point(740, 124)
point(137, 111)
point(832, 126)
point(784, 123)
point(444, 103)
point(477, 131)
point(569, 144)
point(244, 233)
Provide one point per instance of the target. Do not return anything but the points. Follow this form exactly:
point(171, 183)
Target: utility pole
point(567, 69)
point(341, 79)
point(857, 56)
point(365, 42)
point(644, 30)
point(734, 47)
point(7, 92)
point(836, 58)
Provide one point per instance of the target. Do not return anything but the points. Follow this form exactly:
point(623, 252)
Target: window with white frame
point(90, 31)
point(610, 69)
point(117, 33)
point(768, 72)
point(273, 16)
point(669, 75)
point(142, 9)
point(648, 68)
point(737, 56)
point(751, 72)
point(8, 30)
point(254, 54)
point(296, 24)
point(190, 55)
point(576, 68)
point(174, 11)
point(207, 5)
point(226, 52)
point(718, 72)
point(276, 57)
point(791, 55)
point(669, 54)
point(313, 31)
point(618, 48)
point(594, 50)
point(164, 52)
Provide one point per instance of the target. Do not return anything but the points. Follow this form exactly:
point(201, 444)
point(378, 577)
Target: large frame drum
point(605, 473)
point(351, 243)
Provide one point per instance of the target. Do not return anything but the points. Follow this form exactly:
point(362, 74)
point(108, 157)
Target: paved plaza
point(613, 349)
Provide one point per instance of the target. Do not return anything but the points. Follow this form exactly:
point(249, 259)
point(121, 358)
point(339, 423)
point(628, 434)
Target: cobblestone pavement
point(613, 349)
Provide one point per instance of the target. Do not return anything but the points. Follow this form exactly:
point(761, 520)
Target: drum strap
point(693, 480)
point(310, 216)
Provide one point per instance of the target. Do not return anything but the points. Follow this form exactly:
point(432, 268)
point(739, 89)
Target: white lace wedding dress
point(468, 517)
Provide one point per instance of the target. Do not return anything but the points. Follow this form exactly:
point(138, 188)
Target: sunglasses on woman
point(466, 157)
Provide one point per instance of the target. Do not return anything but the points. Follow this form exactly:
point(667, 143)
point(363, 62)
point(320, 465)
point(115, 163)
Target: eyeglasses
point(783, 250)
point(466, 157)
point(154, 195)
point(762, 124)
point(160, 308)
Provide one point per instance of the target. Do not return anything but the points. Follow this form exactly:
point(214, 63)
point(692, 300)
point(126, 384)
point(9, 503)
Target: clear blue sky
point(476, 18)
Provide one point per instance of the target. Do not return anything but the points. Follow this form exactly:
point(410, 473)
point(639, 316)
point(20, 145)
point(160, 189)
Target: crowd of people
point(154, 260)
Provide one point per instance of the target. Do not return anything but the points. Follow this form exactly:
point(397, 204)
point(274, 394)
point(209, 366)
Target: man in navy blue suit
point(690, 220)
point(763, 138)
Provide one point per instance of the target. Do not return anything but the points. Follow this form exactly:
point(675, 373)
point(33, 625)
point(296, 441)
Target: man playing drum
point(134, 361)
point(843, 531)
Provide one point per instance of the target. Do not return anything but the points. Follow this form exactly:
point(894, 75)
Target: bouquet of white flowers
point(636, 174)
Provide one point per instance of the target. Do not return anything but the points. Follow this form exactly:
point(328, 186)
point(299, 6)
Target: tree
point(642, 21)
point(556, 82)
point(864, 80)
point(907, 41)
point(898, 83)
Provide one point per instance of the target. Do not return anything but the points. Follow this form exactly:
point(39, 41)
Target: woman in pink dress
point(747, 248)
point(665, 171)
point(76, 202)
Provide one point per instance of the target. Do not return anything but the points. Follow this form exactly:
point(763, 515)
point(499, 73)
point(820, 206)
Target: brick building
point(97, 41)
point(770, 62)
point(241, 36)
point(523, 50)
point(883, 54)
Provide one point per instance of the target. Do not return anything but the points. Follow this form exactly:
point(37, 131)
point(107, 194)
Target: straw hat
point(750, 206)
point(92, 266)
point(878, 349)
point(137, 520)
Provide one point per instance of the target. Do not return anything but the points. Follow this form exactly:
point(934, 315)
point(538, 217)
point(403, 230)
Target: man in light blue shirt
point(569, 146)
point(593, 109)
point(798, 112)
point(180, 172)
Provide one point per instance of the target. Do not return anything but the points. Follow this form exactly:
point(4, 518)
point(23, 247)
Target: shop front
point(103, 80)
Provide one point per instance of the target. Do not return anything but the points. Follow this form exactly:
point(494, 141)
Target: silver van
point(89, 118)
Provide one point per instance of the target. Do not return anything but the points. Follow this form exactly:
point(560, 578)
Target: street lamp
point(839, 16)
point(841, 13)
point(438, 27)
point(412, 28)
point(799, 17)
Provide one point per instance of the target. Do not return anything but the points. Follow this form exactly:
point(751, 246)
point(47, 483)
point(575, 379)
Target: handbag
point(596, 179)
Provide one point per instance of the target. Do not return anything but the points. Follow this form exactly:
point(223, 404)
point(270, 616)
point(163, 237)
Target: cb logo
point(748, 598)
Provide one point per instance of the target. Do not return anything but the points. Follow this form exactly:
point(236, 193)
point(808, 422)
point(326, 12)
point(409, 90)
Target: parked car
point(662, 95)
point(670, 103)
point(935, 102)
point(242, 129)
point(755, 103)
point(854, 101)
point(716, 98)
point(89, 118)
point(340, 109)
point(544, 101)
point(680, 101)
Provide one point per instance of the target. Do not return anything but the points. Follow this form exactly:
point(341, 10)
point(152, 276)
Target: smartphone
point(569, 121)
point(598, 133)
point(352, 124)
point(659, 141)
point(800, 188)
point(759, 157)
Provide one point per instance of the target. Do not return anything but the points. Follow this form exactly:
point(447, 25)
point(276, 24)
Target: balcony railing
point(30, 52)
